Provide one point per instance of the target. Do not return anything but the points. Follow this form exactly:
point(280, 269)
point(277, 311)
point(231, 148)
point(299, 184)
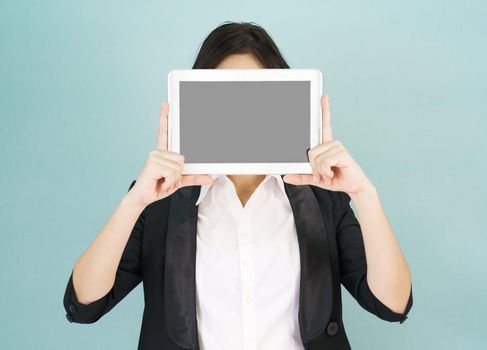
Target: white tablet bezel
point(177, 75)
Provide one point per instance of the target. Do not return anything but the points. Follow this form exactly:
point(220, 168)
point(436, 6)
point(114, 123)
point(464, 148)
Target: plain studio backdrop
point(81, 84)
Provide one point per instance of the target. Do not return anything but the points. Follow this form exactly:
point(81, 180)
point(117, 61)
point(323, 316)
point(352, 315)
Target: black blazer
point(161, 253)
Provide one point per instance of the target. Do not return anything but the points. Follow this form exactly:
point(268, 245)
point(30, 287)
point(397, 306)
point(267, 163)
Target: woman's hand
point(162, 172)
point(333, 167)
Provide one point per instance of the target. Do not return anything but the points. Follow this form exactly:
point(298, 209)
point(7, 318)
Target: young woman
point(248, 261)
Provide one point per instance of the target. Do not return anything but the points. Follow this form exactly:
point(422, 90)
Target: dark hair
point(235, 38)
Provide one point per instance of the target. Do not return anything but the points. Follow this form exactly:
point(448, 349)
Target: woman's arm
point(353, 259)
point(94, 272)
point(127, 276)
point(388, 274)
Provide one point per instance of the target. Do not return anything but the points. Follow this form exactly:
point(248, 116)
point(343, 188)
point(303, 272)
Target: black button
point(69, 317)
point(332, 328)
point(73, 308)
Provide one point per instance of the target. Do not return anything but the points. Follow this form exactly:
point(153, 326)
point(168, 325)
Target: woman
point(247, 261)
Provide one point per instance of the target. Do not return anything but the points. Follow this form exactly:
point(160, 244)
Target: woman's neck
point(245, 185)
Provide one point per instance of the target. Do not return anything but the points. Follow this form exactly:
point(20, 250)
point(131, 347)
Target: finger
point(166, 175)
point(163, 154)
point(173, 169)
point(164, 167)
point(316, 175)
point(327, 161)
point(300, 179)
point(315, 172)
point(306, 179)
point(168, 163)
point(321, 148)
point(162, 133)
point(168, 192)
point(170, 189)
point(193, 180)
point(327, 134)
point(325, 170)
point(316, 151)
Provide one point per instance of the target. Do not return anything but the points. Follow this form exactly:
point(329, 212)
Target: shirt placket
point(247, 279)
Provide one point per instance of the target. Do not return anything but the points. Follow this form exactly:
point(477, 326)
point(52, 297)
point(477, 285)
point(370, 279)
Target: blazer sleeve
point(353, 265)
point(128, 276)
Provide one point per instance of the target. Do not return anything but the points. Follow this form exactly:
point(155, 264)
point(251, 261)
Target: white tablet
point(244, 121)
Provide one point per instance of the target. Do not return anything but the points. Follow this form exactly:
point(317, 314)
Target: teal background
point(81, 84)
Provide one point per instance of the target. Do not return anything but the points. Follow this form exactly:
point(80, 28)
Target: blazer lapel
point(180, 282)
point(316, 285)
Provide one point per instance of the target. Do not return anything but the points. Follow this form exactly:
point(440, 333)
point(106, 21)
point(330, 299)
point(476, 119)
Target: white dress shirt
point(247, 268)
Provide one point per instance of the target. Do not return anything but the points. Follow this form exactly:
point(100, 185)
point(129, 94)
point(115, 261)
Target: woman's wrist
point(132, 200)
point(367, 191)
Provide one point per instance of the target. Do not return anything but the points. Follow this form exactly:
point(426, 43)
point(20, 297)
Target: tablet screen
point(244, 121)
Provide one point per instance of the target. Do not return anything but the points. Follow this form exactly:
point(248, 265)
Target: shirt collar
point(206, 187)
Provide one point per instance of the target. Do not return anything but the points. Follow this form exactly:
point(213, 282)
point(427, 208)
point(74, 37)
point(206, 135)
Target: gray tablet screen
point(244, 121)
